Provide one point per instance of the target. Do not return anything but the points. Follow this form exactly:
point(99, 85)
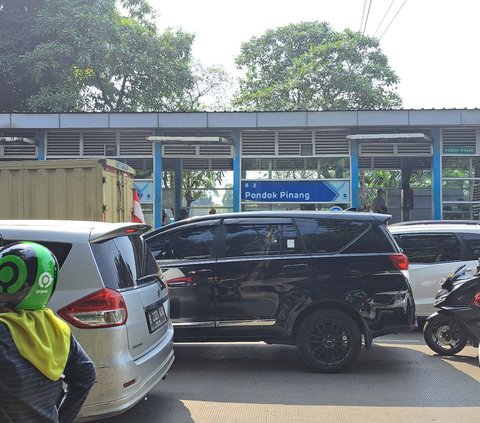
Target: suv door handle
point(201, 272)
point(295, 266)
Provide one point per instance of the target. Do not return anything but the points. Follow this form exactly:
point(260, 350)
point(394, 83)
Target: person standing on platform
point(379, 205)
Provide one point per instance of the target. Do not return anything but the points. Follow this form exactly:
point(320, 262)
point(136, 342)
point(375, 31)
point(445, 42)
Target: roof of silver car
point(95, 231)
point(433, 228)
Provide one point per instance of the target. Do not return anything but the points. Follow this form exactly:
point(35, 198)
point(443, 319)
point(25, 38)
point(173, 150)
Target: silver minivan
point(111, 292)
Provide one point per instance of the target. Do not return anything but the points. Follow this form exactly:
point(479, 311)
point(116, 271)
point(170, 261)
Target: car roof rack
point(437, 222)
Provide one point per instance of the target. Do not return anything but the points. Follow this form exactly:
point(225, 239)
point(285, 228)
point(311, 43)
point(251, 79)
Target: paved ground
point(399, 380)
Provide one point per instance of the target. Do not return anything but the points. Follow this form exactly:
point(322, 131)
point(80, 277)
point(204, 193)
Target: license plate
point(156, 318)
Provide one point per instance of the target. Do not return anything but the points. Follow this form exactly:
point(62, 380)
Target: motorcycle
point(457, 322)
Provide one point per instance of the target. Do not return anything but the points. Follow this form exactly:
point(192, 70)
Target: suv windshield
point(125, 262)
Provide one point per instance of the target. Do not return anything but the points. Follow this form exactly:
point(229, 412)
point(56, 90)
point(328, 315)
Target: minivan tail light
point(101, 309)
point(476, 300)
point(400, 261)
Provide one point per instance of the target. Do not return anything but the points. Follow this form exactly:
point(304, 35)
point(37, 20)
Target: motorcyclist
point(38, 353)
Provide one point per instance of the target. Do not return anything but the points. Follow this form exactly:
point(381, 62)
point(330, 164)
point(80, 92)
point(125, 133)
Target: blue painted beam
point(237, 177)
point(437, 176)
point(354, 173)
point(157, 185)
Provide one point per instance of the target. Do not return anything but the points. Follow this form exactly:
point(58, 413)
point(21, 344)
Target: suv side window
point(472, 242)
point(187, 243)
point(430, 248)
point(261, 239)
point(322, 236)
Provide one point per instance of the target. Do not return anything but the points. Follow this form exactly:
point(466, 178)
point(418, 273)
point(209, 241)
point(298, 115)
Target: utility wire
point(398, 11)
point(384, 16)
point(366, 19)
point(363, 15)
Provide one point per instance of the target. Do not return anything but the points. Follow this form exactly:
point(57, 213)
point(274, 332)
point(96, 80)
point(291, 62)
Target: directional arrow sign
point(319, 191)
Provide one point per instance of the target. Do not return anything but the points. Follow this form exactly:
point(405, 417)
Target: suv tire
point(329, 341)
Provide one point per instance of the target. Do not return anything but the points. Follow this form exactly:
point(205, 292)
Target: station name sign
point(458, 149)
point(317, 191)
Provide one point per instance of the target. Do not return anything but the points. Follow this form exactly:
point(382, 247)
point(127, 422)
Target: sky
point(430, 44)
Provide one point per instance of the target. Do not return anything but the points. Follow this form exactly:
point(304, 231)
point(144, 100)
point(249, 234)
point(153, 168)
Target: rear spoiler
point(117, 230)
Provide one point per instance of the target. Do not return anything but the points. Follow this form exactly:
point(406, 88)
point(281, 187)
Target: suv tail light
point(183, 281)
point(400, 261)
point(476, 300)
point(102, 309)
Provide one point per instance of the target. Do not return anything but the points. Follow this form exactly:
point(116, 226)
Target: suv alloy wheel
point(328, 340)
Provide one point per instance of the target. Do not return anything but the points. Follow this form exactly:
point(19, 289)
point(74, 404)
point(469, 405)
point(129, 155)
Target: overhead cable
point(396, 14)
point(363, 16)
point(384, 16)
point(366, 18)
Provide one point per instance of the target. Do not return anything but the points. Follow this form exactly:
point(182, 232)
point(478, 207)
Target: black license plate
point(156, 318)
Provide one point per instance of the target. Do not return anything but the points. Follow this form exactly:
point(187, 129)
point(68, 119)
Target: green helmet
point(28, 276)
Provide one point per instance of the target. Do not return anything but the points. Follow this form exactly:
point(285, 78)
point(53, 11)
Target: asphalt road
point(399, 380)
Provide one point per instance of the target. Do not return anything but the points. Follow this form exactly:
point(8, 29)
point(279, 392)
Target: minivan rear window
point(329, 235)
point(124, 262)
point(376, 240)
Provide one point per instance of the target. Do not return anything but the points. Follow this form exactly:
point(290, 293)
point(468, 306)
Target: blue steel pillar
point(437, 176)
point(178, 186)
point(41, 148)
point(237, 177)
point(157, 185)
point(354, 173)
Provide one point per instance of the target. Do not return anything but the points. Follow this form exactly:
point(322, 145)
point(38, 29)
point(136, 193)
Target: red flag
point(137, 209)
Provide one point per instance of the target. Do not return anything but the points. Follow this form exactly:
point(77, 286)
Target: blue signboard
point(318, 191)
point(145, 190)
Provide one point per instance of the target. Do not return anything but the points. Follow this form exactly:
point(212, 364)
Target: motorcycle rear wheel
point(445, 336)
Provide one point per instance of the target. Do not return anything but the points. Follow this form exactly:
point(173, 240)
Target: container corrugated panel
point(58, 189)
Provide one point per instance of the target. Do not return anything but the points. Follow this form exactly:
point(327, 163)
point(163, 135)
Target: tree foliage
point(308, 66)
point(195, 182)
point(91, 58)
point(84, 55)
point(210, 90)
point(17, 20)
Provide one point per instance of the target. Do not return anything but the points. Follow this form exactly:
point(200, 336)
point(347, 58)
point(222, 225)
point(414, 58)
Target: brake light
point(102, 309)
point(183, 281)
point(476, 300)
point(400, 261)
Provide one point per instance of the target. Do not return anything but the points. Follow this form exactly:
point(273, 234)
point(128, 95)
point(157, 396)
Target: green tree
point(227, 199)
point(194, 183)
point(210, 89)
point(308, 66)
point(17, 19)
point(92, 58)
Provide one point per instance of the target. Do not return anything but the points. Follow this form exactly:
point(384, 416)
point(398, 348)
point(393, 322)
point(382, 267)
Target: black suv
point(317, 280)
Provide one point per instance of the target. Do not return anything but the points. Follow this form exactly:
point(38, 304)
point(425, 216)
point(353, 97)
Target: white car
point(435, 249)
point(111, 293)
